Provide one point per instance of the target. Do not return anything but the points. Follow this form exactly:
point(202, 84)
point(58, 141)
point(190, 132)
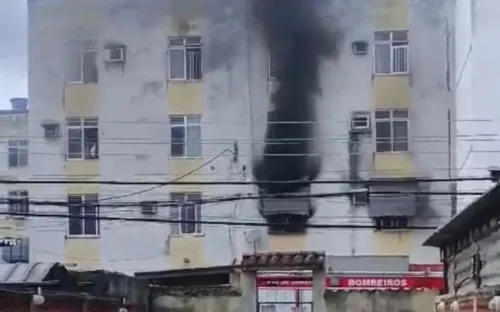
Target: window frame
point(392, 43)
point(17, 145)
point(185, 125)
point(83, 198)
point(198, 213)
point(184, 47)
point(391, 119)
point(17, 207)
point(270, 76)
point(92, 123)
point(81, 53)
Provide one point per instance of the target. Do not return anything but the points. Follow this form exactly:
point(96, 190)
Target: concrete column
point(248, 299)
point(318, 296)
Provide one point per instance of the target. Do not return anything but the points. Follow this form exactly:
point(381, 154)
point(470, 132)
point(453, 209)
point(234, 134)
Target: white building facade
point(125, 93)
point(477, 112)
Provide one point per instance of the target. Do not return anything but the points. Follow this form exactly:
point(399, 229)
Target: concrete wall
point(477, 111)
point(335, 301)
point(133, 104)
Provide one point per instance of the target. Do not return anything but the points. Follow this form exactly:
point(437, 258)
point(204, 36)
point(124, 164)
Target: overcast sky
point(13, 51)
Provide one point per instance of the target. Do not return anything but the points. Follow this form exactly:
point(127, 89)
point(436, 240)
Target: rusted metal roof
point(25, 272)
point(283, 260)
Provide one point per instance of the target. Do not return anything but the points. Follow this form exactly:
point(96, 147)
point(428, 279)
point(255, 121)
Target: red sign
point(353, 282)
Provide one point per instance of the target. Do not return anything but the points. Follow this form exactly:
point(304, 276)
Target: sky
point(13, 51)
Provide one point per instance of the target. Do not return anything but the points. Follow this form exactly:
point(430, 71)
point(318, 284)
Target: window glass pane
point(176, 63)
point(193, 63)
point(400, 35)
point(193, 120)
point(193, 40)
point(193, 141)
point(400, 59)
point(91, 143)
point(383, 136)
point(400, 135)
point(382, 114)
point(382, 58)
point(13, 157)
point(382, 35)
point(90, 224)
point(177, 120)
point(176, 41)
point(23, 157)
point(74, 67)
point(75, 144)
point(400, 113)
point(177, 135)
point(89, 67)
point(75, 225)
point(74, 122)
point(188, 214)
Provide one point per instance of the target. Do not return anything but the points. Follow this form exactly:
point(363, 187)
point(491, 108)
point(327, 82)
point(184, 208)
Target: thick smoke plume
point(298, 40)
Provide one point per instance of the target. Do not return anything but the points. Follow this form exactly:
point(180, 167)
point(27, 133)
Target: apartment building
point(477, 112)
point(124, 92)
point(14, 165)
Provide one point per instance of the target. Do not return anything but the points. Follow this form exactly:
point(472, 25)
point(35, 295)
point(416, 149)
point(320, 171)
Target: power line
point(174, 180)
point(229, 223)
point(233, 183)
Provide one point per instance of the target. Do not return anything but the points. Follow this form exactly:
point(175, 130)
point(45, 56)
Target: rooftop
point(483, 208)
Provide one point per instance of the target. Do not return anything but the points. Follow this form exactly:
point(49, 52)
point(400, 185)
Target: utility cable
point(167, 221)
point(173, 181)
point(234, 183)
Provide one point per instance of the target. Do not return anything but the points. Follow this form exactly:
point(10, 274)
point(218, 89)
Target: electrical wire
point(174, 180)
point(162, 183)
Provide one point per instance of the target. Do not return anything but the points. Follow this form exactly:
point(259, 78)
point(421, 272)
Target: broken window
point(18, 201)
point(184, 58)
point(391, 52)
point(83, 211)
point(83, 138)
point(18, 153)
point(189, 209)
point(391, 131)
point(185, 136)
point(82, 66)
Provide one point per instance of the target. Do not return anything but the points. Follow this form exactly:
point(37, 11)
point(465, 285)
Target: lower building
point(469, 246)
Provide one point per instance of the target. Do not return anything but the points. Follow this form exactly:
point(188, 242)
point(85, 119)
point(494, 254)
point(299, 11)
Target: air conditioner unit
point(360, 122)
point(51, 130)
point(149, 208)
point(115, 55)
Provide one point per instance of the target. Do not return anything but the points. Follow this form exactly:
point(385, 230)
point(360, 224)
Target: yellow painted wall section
point(391, 92)
point(391, 14)
point(179, 167)
point(392, 243)
point(187, 247)
point(80, 100)
point(9, 227)
point(85, 252)
point(82, 171)
point(185, 97)
point(393, 165)
point(283, 243)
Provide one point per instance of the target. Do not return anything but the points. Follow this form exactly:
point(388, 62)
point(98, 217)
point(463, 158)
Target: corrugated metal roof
point(25, 272)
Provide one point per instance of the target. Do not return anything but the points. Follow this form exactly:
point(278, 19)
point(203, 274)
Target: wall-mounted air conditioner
point(115, 55)
point(361, 121)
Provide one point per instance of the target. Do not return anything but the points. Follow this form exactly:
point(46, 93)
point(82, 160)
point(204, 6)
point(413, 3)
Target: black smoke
point(298, 39)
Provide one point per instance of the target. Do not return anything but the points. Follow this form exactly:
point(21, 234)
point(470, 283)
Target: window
point(391, 131)
point(187, 210)
point(272, 66)
point(184, 58)
point(19, 201)
point(391, 52)
point(185, 136)
point(82, 67)
point(391, 223)
point(85, 208)
point(267, 308)
point(18, 153)
point(83, 138)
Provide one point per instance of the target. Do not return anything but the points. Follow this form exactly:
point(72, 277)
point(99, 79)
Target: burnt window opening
point(286, 224)
point(391, 223)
